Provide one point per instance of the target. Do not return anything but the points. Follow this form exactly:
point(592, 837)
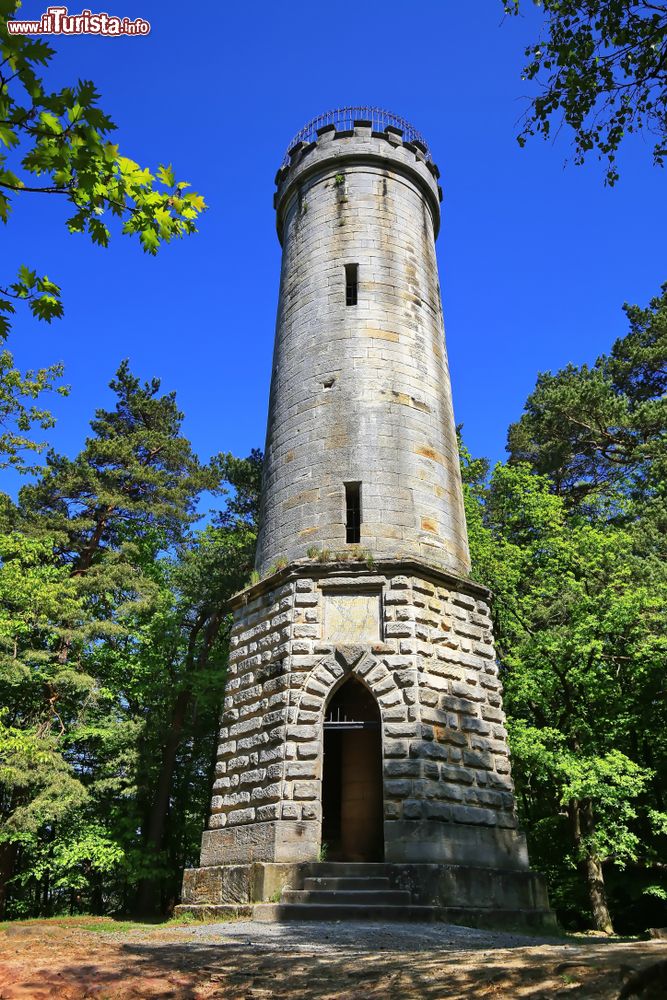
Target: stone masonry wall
point(361, 393)
point(431, 668)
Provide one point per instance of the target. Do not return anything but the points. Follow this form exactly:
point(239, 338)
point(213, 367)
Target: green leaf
point(8, 135)
point(50, 122)
point(149, 240)
point(46, 307)
point(166, 175)
point(27, 277)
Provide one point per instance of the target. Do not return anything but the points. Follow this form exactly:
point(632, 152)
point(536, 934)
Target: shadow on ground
point(300, 961)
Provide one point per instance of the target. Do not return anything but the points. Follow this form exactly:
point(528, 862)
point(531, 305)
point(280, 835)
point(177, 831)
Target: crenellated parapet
point(335, 149)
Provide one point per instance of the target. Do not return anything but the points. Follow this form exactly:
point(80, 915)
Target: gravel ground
point(360, 937)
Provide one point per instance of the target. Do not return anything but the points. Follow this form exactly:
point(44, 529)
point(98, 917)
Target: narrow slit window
point(351, 284)
point(353, 512)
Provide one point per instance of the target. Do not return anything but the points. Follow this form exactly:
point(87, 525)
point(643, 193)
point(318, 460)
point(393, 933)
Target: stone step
point(332, 882)
point(349, 869)
point(368, 897)
point(495, 918)
point(277, 912)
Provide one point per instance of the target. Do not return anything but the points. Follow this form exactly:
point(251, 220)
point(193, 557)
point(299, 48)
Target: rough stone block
point(266, 792)
point(237, 816)
point(306, 789)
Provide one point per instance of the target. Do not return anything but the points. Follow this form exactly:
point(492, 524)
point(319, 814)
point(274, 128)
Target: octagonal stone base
point(419, 640)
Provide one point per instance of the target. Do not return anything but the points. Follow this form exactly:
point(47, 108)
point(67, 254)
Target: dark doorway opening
point(352, 821)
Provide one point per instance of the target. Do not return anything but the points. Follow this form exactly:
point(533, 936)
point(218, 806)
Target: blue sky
point(536, 256)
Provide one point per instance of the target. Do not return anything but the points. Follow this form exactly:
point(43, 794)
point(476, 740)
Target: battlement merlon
point(335, 150)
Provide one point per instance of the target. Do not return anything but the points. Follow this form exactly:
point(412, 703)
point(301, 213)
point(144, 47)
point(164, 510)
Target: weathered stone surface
point(275, 763)
point(351, 618)
point(361, 394)
point(429, 884)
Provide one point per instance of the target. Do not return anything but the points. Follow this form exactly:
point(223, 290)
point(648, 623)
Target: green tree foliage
point(112, 654)
point(59, 143)
point(569, 536)
point(599, 430)
point(188, 643)
point(601, 69)
point(21, 411)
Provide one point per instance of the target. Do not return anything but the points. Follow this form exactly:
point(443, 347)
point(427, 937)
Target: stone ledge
point(469, 916)
point(221, 912)
point(430, 841)
point(281, 840)
point(489, 918)
point(382, 567)
point(484, 917)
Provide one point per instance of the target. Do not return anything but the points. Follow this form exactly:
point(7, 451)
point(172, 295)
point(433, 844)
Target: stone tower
point(363, 720)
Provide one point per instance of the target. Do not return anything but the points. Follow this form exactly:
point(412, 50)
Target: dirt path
point(88, 957)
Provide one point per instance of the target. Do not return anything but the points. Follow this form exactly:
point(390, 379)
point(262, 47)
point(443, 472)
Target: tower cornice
point(339, 149)
point(340, 572)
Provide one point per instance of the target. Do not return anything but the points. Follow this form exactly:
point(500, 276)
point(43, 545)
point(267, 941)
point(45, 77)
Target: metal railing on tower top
point(344, 118)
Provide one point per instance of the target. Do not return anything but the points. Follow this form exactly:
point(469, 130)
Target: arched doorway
point(352, 820)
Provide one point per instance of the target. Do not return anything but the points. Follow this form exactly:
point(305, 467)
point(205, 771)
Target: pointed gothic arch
point(352, 779)
point(331, 672)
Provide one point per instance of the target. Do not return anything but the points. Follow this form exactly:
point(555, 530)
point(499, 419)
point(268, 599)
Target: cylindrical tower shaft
point(361, 446)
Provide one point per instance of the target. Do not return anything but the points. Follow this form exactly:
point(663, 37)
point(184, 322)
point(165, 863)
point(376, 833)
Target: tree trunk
point(147, 902)
point(7, 858)
point(582, 823)
point(597, 895)
point(206, 629)
point(46, 894)
point(96, 897)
